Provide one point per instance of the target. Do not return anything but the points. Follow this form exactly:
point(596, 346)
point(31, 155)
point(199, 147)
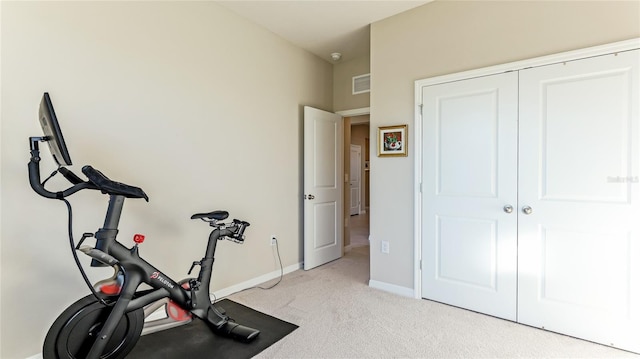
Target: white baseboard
point(225, 292)
point(392, 288)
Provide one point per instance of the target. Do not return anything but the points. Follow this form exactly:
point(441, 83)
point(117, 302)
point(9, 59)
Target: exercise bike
point(108, 322)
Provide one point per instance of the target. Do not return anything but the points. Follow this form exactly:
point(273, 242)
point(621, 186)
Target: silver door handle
point(527, 210)
point(508, 208)
point(310, 196)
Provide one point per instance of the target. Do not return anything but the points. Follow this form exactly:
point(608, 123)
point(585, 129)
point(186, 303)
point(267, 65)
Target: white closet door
point(579, 248)
point(469, 249)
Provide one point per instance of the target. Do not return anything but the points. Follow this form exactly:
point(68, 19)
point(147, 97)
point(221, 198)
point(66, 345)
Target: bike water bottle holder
point(100, 257)
point(193, 265)
point(103, 238)
point(84, 236)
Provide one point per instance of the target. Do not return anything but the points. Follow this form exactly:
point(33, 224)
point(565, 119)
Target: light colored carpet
point(340, 316)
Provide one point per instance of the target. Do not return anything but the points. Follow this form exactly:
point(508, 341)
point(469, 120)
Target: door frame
point(348, 114)
point(611, 48)
point(355, 112)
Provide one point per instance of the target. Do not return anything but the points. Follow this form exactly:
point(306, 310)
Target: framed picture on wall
point(392, 141)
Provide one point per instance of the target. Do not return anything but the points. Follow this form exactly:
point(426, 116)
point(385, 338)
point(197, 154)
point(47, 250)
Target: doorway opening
point(357, 207)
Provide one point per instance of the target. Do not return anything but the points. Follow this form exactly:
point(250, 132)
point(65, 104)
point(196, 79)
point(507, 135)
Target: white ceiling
point(322, 26)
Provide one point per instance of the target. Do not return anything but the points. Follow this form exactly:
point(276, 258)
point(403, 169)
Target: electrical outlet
point(384, 248)
point(273, 240)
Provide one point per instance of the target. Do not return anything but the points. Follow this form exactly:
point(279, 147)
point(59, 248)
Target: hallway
point(359, 230)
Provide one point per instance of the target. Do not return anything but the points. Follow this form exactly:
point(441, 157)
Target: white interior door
point(469, 245)
point(579, 248)
point(354, 179)
point(323, 186)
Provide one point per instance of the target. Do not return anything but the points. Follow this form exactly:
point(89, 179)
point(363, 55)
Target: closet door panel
point(579, 161)
point(469, 172)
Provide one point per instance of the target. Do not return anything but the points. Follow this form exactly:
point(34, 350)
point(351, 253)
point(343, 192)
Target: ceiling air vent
point(361, 84)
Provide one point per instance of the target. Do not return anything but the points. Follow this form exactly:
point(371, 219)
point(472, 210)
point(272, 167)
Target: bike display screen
point(52, 132)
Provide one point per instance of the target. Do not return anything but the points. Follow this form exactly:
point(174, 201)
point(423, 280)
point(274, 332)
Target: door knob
point(311, 196)
point(508, 208)
point(527, 210)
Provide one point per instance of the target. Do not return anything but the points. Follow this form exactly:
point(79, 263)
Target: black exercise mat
point(196, 340)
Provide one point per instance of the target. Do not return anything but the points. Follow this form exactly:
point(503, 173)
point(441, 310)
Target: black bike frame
point(137, 270)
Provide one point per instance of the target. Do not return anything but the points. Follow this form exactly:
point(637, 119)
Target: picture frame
point(392, 141)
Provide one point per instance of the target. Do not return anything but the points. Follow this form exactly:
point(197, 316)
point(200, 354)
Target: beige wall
point(196, 105)
point(343, 72)
point(451, 36)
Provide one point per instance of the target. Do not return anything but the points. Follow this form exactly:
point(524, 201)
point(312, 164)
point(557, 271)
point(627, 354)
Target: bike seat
point(108, 186)
point(217, 215)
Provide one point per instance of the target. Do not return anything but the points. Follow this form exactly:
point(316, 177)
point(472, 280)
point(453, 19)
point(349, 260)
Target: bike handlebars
point(70, 176)
point(238, 236)
point(97, 180)
point(38, 187)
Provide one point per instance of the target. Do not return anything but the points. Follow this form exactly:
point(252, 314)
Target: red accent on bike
point(110, 289)
point(138, 238)
point(176, 313)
